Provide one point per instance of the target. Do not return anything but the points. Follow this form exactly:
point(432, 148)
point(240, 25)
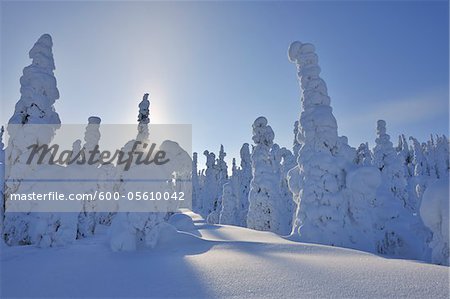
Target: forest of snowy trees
point(391, 199)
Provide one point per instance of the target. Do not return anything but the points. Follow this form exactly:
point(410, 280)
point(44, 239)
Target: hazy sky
point(220, 65)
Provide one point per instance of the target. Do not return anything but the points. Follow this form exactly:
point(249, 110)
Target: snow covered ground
point(214, 261)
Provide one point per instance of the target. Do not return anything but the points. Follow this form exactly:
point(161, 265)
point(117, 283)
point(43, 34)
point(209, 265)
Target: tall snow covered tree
point(222, 178)
point(87, 217)
point(196, 202)
point(132, 230)
point(319, 178)
point(143, 118)
point(399, 231)
point(406, 154)
point(264, 191)
point(282, 162)
point(418, 160)
point(364, 155)
point(209, 195)
point(230, 198)
point(38, 87)
point(436, 152)
point(441, 150)
point(38, 94)
point(245, 178)
point(287, 204)
point(390, 164)
point(421, 175)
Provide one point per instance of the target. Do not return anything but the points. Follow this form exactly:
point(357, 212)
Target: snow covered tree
point(92, 136)
point(421, 176)
point(434, 211)
point(230, 199)
point(288, 162)
point(245, 178)
point(419, 161)
point(222, 165)
point(319, 178)
point(283, 207)
point(399, 231)
point(143, 118)
point(210, 188)
point(87, 217)
point(436, 153)
point(196, 202)
point(38, 94)
point(38, 87)
point(264, 191)
point(441, 150)
point(222, 178)
point(361, 193)
point(405, 153)
point(390, 164)
point(364, 155)
point(134, 230)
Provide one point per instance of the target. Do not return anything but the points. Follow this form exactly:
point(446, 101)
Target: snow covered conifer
point(390, 164)
point(442, 156)
point(399, 232)
point(436, 152)
point(222, 165)
point(38, 87)
point(245, 178)
point(196, 203)
point(92, 135)
point(143, 118)
point(406, 154)
point(287, 204)
point(210, 190)
point(264, 190)
point(87, 217)
point(222, 179)
point(319, 178)
point(133, 230)
point(221, 172)
point(38, 94)
point(230, 199)
point(364, 155)
point(420, 172)
point(419, 161)
point(281, 202)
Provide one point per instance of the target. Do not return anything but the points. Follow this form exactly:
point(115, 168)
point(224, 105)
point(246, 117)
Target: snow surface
point(214, 261)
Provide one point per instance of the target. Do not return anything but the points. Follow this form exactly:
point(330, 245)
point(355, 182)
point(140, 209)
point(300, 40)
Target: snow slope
point(214, 261)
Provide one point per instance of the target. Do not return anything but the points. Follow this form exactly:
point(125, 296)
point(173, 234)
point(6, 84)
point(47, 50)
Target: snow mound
point(182, 222)
point(169, 238)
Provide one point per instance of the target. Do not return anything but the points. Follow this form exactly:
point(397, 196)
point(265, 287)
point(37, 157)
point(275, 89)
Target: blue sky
point(220, 65)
